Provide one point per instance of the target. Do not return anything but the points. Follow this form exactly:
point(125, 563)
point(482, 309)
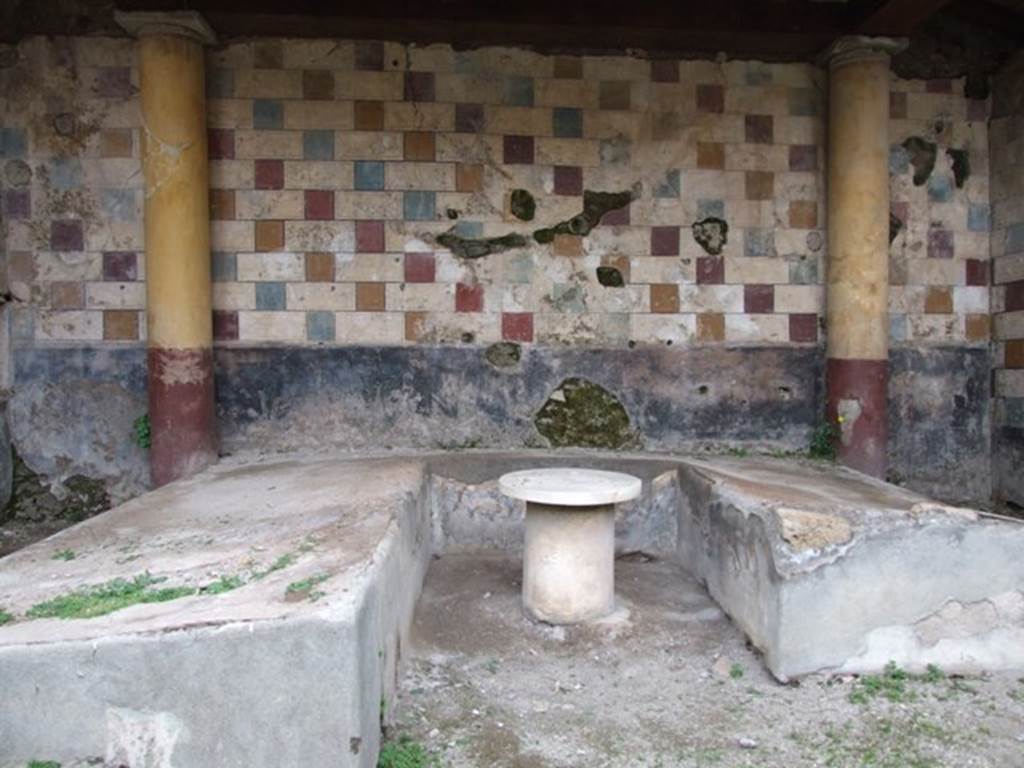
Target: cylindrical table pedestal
point(569, 562)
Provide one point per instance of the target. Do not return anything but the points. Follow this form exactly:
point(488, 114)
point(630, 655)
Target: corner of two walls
point(342, 320)
point(1006, 134)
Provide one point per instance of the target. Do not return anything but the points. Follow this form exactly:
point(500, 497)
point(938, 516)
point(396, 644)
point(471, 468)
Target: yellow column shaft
point(174, 153)
point(858, 207)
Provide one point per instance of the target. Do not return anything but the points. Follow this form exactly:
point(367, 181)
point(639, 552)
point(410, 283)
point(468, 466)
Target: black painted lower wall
point(73, 406)
point(940, 421)
point(1008, 465)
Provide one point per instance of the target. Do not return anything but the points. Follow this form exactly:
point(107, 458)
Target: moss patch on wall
point(584, 414)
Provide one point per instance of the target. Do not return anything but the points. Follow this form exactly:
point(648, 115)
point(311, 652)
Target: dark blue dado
point(677, 398)
point(674, 397)
point(940, 426)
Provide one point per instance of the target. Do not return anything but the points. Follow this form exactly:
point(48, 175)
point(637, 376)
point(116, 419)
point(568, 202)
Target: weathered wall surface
point(939, 423)
point(371, 243)
point(939, 404)
point(1007, 136)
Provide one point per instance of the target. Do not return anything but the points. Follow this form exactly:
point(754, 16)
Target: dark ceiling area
point(949, 38)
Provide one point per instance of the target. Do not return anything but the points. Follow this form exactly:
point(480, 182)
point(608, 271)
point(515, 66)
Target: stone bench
point(822, 568)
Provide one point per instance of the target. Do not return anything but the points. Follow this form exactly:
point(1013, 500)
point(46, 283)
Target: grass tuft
point(892, 684)
point(406, 753)
point(823, 442)
point(285, 560)
point(222, 585)
point(5, 617)
point(63, 554)
point(89, 602)
point(43, 764)
point(304, 589)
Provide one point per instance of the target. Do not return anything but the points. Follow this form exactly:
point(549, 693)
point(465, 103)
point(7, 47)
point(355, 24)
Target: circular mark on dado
point(18, 173)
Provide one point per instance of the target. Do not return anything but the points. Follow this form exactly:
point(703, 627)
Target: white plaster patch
point(416, 245)
point(142, 739)
point(848, 411)
point(1002, 648)
point(924, 508)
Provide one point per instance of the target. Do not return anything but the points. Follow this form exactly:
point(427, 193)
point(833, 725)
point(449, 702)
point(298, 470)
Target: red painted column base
point(181, 412)
point(857, 393)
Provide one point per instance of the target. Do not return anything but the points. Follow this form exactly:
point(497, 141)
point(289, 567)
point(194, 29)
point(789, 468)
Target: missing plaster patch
point(595, 206)
point(711, 234)
point(582, 413)
point(961, 162)
point(961, 620)
point(804, 530)
point(522, 205)
point(478, 247)
point(895, 225)
point(922, 158)
point(610, 277)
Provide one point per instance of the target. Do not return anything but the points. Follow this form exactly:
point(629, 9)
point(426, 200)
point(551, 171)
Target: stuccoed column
point(177, 223)
point(858, 249)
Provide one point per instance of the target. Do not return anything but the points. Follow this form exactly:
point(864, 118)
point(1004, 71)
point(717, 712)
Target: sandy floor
point(667, 681)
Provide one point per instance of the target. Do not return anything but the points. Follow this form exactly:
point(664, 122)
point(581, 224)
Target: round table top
point(570, 486)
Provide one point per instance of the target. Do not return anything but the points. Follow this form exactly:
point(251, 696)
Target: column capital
point(853, 48)
point(190, 24)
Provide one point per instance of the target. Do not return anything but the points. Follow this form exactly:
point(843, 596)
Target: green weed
point(932, 674)
point(222, 585)
point(892, 684)
point(823, 442)
point(304, 589)
point(115, 595)
point(5, 617)
point(63, 554)
point(102, 599)
point(736, 671)
point(142, 431)
point(285, 560)
point(43, 764)
point(904, 742)
point(406, 753)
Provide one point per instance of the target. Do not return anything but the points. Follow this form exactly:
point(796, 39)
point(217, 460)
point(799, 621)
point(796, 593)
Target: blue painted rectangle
point(369, 175)
point(270, 296)
point(419, 206)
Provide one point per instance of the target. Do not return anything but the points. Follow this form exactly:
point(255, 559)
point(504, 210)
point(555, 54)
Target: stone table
point(569, 552)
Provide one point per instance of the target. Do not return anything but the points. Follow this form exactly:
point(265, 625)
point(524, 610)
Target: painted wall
point(340, 172)
point(939, 389)
point(1007, 137)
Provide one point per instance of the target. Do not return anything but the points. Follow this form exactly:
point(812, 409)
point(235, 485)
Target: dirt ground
point(666, 681)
